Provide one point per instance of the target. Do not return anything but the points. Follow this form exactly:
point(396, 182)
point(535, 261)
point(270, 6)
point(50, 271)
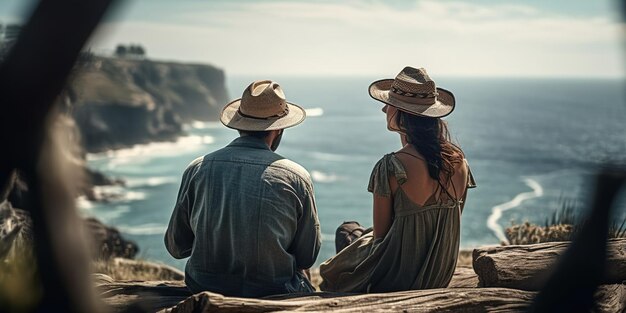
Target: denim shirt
point(247, 219)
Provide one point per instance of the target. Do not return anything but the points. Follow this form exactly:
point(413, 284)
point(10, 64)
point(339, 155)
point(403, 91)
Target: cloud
point(356, 38)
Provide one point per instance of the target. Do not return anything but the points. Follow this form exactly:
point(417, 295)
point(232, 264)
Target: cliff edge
point(119, 102)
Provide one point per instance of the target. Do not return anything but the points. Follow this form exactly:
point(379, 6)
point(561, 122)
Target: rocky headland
point(119, 102)
point(112, 103)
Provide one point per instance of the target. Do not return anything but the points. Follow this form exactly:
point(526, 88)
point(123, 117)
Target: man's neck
point(267, 141)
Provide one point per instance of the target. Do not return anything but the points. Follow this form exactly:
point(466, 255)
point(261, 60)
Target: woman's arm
point(383, 211)
point(382, 215)
point(470, 183)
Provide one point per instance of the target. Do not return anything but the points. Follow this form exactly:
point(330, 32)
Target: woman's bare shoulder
point(460, 164)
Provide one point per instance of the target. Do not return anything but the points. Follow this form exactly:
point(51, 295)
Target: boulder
point(108, 242)
point(16, 232)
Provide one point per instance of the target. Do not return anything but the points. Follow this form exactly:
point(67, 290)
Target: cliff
point(121, 102)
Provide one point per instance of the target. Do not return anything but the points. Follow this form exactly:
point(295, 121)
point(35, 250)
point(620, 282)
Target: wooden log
point(610, 298)
point(439, 300)
point(527, 267)
point(173, 296)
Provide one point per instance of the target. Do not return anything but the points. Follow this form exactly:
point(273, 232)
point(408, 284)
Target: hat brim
point(231, 118)
point(379, 90)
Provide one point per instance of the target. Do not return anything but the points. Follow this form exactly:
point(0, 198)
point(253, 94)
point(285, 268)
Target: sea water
point(531, 143)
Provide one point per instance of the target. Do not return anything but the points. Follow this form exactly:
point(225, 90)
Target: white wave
point(198, 125)
point(83, 204)
point(113, 213)
point(324, 178)
point(133, 196)
point(117, 194)
point(322, 156)
point(496, 211)
point(204, 125)
point(117, 161)
point(143, 229)
point(334, 157)
point(139, 153)
point(314, 112)
point(150, 181)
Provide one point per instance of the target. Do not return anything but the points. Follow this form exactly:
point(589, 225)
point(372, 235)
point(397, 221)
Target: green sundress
point(419, 251)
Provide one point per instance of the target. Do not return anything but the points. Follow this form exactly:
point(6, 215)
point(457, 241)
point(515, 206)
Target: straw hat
point(262, 107)
point(414, 92)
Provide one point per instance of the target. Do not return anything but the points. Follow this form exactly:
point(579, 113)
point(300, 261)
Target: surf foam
point(150, 181)
point(143, 229)
point(141, 152)
point(321, 177)
point(314, 112)
point(496, 211)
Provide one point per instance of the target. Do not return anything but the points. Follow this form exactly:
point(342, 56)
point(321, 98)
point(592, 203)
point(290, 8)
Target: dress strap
point(415, 156)
point(442, 187)
point(471, 182)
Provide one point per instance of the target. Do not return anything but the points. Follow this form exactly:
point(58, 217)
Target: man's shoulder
point(255, 157)
point(195, 164)
point(197, 161)
point(293, 168)
point(207, 158)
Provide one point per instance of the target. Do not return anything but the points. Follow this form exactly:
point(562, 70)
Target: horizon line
point(479, 76)
point(368, 75)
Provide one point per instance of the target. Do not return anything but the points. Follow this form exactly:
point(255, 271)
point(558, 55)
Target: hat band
point(428, 98)
point(281, 114)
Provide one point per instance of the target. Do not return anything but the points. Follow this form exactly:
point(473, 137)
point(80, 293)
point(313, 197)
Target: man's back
point(247, 218)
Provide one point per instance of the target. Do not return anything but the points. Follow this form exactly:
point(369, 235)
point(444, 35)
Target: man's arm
point(308, 239)
point(179, 235)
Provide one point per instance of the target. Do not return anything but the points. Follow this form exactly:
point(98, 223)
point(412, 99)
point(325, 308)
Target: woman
point(419, 193)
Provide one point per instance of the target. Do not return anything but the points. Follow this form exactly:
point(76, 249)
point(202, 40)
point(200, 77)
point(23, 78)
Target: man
point(245, 215)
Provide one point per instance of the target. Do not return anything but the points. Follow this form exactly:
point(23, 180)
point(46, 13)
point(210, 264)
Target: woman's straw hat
point(262, 107)
point(413, 91)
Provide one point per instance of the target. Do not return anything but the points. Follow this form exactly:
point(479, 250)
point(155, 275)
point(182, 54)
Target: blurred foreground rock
point(16, 233)
point(15, 230)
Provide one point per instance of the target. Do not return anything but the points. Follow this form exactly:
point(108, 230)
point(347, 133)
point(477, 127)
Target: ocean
point(532, 144)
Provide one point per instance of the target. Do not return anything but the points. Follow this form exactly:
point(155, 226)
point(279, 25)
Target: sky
point(501, 38)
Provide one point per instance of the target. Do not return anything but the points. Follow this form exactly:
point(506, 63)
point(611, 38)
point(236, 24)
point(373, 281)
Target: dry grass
point(464, 259)
point(561, 226)
point(125, 269)
point(526, 233)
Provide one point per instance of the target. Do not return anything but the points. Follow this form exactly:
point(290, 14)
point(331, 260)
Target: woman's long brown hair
point(431, 139)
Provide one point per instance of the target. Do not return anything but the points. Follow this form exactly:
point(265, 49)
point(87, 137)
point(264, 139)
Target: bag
point(346, 234)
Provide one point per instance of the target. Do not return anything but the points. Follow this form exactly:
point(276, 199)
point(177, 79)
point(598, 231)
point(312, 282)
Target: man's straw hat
point(262, 107)
point(413, 91)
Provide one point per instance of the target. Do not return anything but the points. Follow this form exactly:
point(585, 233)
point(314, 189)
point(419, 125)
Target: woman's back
point(420, 248)
point(420, 188)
